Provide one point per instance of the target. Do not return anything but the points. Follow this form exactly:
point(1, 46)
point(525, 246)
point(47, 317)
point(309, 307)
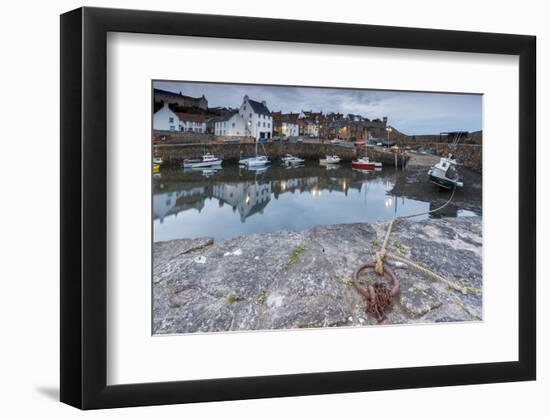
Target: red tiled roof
point(190, 117)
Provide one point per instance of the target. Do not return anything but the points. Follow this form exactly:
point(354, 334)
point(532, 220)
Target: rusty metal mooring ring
point(377, 295)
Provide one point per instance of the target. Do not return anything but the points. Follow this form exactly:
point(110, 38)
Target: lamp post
point(388, 129)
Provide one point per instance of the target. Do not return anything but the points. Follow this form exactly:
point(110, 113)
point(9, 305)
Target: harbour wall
point(470, 156)
point(174, 154)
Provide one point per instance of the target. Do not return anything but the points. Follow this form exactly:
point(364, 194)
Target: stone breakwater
point(302, 279)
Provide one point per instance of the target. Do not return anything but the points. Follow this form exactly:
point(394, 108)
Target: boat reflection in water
point(234, 201)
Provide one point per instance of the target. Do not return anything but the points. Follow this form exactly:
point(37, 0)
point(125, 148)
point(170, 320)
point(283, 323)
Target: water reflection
point(235, 201)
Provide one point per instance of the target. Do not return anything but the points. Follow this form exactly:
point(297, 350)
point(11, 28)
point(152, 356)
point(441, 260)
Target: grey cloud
point(410, 112)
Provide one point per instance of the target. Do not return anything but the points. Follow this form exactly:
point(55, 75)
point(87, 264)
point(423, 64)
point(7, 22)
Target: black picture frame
point(84, 207)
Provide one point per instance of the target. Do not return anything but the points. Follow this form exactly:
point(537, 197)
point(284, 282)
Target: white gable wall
point(256, 124)
point(290, 129)
point(235, 126)
point(166, 119)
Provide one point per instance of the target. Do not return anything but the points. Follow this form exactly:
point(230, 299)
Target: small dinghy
point(445, 173)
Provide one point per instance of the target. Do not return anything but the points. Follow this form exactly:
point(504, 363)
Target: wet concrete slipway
point(290, 279)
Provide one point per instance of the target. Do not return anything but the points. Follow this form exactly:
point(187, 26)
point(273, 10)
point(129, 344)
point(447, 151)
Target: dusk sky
point(411, 113)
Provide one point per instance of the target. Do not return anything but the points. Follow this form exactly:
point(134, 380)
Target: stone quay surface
point(302, 279)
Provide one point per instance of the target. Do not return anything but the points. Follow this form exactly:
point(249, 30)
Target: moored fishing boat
point(207, 160)
point(245, 157)
point(365, 163)
point(156, 168)
point(445, 173)
point(258, 161)
point(330, 159)
point(289, 159)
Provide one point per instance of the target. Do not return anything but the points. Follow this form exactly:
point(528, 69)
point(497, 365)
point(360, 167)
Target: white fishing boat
point(289, 159)
point(258, 161)
point(157, 160)
point(207, 160)
point(445, 173)
point(245, 157)
point(330, 159)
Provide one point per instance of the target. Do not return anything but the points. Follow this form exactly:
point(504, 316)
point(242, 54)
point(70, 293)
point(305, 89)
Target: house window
point(264, 124)
point(244, 108)
point(258, 124)
point(233, 125)
point(170, 120)
point(172, 128)
point(250, 115)
point(269, 125)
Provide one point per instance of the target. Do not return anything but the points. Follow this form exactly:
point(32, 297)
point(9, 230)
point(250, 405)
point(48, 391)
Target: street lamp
point(388, 129)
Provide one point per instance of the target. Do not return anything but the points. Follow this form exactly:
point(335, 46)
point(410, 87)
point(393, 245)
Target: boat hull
point(202, 164)
point(444, 183)
point(257, 163)
point(366, 165)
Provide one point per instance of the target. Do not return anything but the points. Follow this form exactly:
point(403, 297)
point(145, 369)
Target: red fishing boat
point(365, 163)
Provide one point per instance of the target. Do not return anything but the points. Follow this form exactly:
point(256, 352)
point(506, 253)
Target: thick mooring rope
point(377, 295)
point(382, 253)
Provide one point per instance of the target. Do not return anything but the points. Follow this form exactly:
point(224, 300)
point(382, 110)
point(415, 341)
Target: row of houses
point(166, 119)
point(254, 119)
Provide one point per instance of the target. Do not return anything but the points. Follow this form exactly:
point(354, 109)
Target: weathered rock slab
point(302, 279)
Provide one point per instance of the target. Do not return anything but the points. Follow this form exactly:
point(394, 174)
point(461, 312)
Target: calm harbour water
point(235, 201)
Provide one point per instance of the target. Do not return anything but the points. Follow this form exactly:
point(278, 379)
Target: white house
point(232, 124)
point(290, 129)
point(257, 118)
point(191, 122)
point(165, 119)
point(312, 129)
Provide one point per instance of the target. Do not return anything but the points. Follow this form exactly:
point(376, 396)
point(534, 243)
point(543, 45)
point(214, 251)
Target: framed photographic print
point(256, 208)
